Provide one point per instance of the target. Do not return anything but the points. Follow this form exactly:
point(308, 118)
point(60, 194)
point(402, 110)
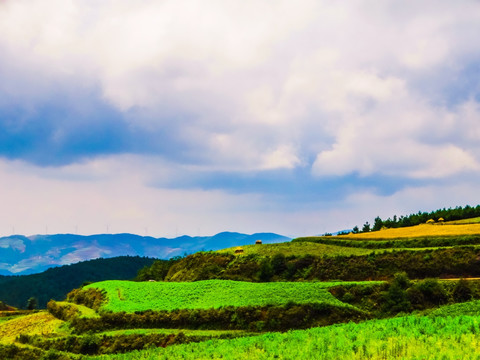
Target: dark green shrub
point(433, 291)
point(462, 291)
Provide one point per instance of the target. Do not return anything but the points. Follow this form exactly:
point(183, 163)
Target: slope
point(55, 283)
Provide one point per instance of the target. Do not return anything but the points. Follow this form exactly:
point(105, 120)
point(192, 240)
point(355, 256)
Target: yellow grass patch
point(41, 323)
point(419, 231)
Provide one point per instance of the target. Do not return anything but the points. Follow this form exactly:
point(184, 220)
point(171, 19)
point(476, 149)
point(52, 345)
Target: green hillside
point(411, 337)
point(141, 296)
point(374, 295)
point(297, 249)
point(55, 283)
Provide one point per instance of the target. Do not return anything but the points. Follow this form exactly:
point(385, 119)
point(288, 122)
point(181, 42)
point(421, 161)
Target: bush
point(462, 291)
point(433, 291)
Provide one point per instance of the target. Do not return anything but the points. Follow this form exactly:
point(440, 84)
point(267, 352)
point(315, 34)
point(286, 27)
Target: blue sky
point(195, 117)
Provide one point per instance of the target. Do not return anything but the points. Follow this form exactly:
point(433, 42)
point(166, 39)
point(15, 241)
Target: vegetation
point(378, 265)
point(421, 230)
point(393, 243)
point(55, 283)
point(333, 297)
point(37, 323)
point(297, 248)
point(131, 296)
point(411, 337)
point(471, 308)
point(458, 213)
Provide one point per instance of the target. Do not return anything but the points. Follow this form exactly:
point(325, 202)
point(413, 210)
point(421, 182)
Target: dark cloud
point(296, 187)
point(69, 128)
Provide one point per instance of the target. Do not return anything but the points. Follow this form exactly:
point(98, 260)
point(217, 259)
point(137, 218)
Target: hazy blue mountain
point(21, 255)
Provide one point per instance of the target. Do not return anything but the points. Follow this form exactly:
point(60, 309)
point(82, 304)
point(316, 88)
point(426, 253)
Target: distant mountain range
point(22, 255)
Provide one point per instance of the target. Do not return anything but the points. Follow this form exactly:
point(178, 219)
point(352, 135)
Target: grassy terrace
point(38, 323)
point(298, 249)
point(411, 337)
point(140, 296)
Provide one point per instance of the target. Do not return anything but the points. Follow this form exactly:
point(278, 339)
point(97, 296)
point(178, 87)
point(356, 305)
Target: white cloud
point(247, 86)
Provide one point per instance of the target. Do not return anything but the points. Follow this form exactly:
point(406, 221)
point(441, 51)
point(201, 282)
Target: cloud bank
point(241, 115)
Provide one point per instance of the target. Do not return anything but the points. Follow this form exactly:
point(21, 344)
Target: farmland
point(420, 231)
point(297, 249)
point(39, 323)
point(373, 295)
point(411, 337)
point(134, 296)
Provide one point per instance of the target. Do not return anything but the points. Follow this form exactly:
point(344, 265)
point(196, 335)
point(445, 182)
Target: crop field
point(298, 249)
point(410, 337)
point(343, 246)
point(419, 231)
point(140, 296)
point(467, 308)
point(418, 243)
point(41, 323)
point(464, 221)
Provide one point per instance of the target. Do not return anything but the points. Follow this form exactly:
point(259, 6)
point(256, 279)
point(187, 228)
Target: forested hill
point(450, 214)
point(55, 283)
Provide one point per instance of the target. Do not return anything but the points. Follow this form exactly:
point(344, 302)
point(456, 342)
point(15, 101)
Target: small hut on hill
point(441, 220)
point(258, 242)
point(239, 250)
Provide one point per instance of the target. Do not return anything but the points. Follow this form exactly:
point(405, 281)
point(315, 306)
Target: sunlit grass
point(297, 249)
point(41, 323)
point(140, 296)
point(418, 231)
point(411, 337)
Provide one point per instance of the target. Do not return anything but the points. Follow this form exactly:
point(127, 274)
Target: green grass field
point(411, 337)
point(464, 221)
point(298, 249)
point(140, 296)
point(471, 308)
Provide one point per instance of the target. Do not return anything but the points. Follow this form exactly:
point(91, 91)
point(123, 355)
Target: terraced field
point(411, 337)
point(40, 323)
point(140, 296)
point(298, 249)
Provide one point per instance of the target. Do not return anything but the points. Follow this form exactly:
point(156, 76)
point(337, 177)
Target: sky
point(165, 117)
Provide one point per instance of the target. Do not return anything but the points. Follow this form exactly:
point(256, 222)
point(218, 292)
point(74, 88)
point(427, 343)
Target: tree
point(378, 224)
point(32, 303)
point(366, 227)
point(266, 271)
point(279, 263)
point(396, 298)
